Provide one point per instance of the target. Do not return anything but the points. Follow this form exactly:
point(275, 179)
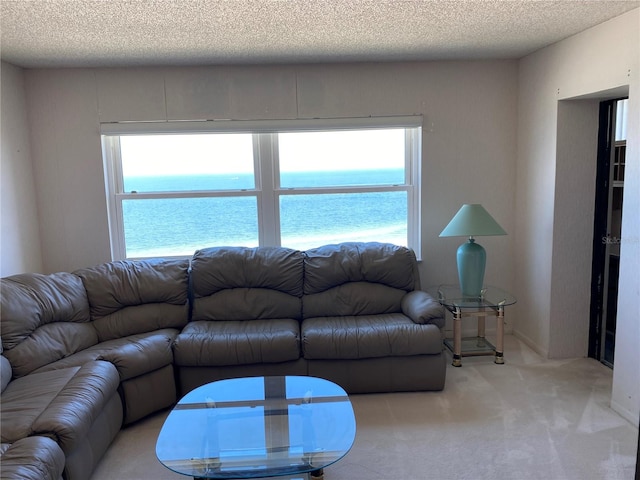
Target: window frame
point(267, 190)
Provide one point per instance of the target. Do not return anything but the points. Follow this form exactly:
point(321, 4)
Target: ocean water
point(179, 226)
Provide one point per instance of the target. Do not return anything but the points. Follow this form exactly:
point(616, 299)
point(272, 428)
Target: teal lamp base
point(471, 262)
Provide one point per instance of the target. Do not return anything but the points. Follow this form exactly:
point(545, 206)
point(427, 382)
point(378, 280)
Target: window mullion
point(266, 156)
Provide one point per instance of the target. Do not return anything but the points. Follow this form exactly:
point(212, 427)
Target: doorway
point(607, 229)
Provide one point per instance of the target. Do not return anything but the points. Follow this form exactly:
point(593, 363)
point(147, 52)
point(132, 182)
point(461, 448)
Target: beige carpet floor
point(528, 419)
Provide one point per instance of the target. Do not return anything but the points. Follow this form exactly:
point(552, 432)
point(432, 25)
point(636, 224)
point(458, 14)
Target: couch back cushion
point(44, 318)
point(136, 296)
point(241, 283)
point(357, 279)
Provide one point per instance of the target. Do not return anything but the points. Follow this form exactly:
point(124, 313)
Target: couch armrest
point(422, 308)
point(72, 412)
point(33, 458)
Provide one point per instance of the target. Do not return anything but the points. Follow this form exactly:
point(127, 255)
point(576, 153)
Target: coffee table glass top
point(257, 427)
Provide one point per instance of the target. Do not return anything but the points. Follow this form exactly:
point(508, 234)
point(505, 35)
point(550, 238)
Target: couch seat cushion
point(367, 336)
point(133, 356)
point(213, 343)
point(26, 398)
point(61, 404)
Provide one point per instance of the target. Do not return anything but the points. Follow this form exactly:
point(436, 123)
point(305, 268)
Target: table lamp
point(472, 220)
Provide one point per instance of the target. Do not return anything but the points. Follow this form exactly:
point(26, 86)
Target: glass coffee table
point(289, 427)
point(491, 302)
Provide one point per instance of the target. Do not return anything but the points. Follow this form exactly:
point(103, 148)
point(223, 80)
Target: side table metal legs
point(500, 334)
point(457, 338)
point(479, 345)
point(490, 303)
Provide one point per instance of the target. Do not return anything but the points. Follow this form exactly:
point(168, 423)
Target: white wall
point(19, 231)
point(574, 205)
point(68, 172)
point(469, 139)
point(556, 109)
point(625, 397)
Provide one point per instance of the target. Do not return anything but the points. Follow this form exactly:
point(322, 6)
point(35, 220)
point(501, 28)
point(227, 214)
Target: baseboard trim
point(628, 415)
point(543, 352)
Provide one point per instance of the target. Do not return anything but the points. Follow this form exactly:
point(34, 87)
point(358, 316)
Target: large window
point(177, 187)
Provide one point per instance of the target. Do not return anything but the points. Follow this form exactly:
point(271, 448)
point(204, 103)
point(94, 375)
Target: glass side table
point(490, 303)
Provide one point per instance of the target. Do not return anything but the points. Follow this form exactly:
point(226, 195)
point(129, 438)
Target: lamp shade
point(472, 220)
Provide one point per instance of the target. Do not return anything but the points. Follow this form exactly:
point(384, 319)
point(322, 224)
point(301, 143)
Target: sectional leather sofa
point(88, 352)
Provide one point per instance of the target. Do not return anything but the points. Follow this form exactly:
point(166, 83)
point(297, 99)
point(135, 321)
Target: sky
point(233, 153)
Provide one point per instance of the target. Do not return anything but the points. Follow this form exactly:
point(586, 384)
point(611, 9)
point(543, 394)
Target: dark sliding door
point(607, 230)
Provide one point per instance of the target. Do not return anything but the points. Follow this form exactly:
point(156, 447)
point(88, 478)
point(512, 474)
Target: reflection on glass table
point(491, 302)
point(258, 427)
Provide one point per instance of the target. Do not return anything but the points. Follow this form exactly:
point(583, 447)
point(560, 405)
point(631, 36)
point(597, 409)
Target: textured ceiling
point(75, 33)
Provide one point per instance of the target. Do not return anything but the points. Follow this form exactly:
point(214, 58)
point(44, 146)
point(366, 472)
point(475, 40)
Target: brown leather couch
point(90, 351)
point(352, 313)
